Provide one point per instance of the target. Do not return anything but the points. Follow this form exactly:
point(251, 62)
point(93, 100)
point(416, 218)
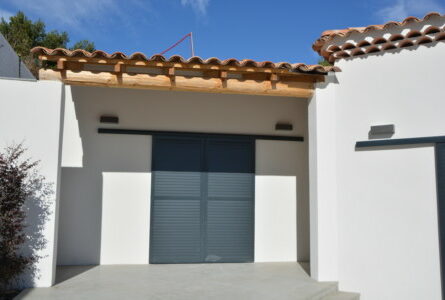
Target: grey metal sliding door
point(202, 199)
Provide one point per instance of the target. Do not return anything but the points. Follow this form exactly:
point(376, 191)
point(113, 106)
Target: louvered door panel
point(230, 195)
point(176, 201)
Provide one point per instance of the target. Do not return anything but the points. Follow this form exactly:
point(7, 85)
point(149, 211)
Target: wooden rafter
point(180, 76)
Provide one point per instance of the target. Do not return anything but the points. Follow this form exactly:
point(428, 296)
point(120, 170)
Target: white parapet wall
point(374, 224)
point(32, 113)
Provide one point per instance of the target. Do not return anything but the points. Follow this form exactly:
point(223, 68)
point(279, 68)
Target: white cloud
point(199, 6)
point(401, 9)
point(5, 14)
point(75, 13)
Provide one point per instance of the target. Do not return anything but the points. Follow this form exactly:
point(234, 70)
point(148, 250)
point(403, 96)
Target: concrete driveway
point(189, 281)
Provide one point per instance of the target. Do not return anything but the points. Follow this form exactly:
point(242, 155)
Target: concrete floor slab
point(189, 281)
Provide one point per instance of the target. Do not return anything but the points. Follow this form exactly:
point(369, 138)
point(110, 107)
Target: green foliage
point(324, 62)
point(85, 45)
point(23, 34)
point(55, 39)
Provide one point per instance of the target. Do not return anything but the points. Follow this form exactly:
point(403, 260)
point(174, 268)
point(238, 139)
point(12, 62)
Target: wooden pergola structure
point(79, 67)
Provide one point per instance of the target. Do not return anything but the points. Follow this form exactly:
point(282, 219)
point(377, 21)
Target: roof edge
point(80, 53)
point(329, 35)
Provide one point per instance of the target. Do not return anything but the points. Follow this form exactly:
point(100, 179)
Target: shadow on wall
point(38, 210)
point(80, 210)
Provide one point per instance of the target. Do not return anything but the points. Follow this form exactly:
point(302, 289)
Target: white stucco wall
point(280, 179)
point(125, 218)
point(32, 114)
point(105, 192)
point(381, 202)
point(322, 179)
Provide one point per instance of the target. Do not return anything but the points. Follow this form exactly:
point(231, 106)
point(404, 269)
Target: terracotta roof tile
point(379, 43)
point(299, 67)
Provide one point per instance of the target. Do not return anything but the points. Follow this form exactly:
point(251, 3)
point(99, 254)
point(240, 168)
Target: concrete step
point(323, 289)
point(342, 296)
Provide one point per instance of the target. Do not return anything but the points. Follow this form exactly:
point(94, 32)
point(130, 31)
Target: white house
point(161, 160)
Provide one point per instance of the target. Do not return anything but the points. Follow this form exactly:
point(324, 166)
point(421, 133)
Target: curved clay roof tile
point(158, 57)
point(138, 56)
point(440, 36)
point(283, 65)
point(372, 49)
point(119, 55)
point(329, 35)
point(432, 14)
point(424, 40)
point(60, 52)
point(248, 63)
point(333, 48)
point(266, 64)
point(390, 24)
point(99, 54)
point(431, 30)
point(176, 58)
point(80, 53)
point(357, 52)
point(410, 20)
point(309, 68)
point(313, 68)
point(195, 60)
point(406, 43)
point(370, 28)
point(342, 54)
point(379, 40)
point(213, 61)
point(297, 65)
point(389, 46)
point(230, 62)
point(363, 43)
point(39, 51)
point(413, 34)
point(396, 37)
point(348, 46)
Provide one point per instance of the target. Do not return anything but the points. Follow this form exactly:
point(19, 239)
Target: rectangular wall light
point(284, 126)
point(382, 129)
point(109, 119)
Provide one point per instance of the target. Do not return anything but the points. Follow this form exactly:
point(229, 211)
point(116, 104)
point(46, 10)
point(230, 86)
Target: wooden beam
point(119, 67)
point(171, 76)
point(185, 66)
point(181, 83)
point(223, 75)
point(273, 77)
point(171, 72)
point(61, 64)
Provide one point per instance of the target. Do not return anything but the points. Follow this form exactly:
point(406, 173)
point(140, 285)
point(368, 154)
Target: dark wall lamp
point(381, 131)
point(109, 119)
point(284, 126)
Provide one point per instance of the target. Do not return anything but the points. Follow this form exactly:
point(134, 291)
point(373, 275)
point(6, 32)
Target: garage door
point(202, 199)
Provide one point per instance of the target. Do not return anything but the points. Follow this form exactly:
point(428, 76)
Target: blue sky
point(276, 30)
